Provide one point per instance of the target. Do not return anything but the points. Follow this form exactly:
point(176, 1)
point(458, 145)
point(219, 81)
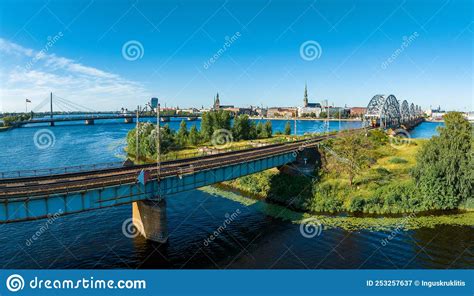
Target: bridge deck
point(100, 117)
point(46, 185)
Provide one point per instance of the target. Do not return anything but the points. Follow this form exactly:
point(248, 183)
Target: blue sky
point(417, 50)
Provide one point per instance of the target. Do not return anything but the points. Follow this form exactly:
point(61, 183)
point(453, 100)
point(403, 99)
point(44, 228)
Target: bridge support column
point(149, 217)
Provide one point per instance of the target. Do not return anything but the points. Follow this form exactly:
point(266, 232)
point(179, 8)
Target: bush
point(445, 165)
point(397, 160)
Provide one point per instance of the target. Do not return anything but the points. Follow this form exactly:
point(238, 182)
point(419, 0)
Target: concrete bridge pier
point(149, 217)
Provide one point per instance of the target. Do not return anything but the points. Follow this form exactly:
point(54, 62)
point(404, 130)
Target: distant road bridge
point(90, 119)
point(68, 112)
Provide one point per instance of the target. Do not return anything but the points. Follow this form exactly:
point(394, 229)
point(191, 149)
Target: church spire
point(217, 102)
point(305, 100)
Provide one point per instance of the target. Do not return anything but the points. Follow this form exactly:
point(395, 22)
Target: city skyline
point(259, 54)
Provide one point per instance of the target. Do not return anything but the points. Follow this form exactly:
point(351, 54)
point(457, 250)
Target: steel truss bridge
point(386, 112)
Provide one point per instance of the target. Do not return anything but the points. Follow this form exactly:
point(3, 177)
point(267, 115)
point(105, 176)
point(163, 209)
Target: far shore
point(307, 118)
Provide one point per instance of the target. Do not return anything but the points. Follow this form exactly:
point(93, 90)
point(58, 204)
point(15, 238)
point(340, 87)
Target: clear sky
point(251, 52)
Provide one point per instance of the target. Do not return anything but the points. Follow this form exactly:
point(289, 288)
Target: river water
point(254, 239)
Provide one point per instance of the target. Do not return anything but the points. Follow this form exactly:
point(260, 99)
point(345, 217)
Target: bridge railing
point(60, 170)
point(167, 157)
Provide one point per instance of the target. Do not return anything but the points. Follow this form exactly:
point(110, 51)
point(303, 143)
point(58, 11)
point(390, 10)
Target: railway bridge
point(29, 197)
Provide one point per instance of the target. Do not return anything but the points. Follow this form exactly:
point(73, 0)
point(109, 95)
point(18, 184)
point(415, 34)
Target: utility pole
point(158, 145)
point(136, 136)
point(295, 123)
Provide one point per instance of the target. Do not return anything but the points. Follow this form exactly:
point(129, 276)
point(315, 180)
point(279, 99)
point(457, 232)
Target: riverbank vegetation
point(376, 174)
point(10, 120)
point(350, 223)
point(215, 131)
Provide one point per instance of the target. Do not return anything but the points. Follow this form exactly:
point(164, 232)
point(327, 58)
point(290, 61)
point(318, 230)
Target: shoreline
point(340, 220)
point(305, 118)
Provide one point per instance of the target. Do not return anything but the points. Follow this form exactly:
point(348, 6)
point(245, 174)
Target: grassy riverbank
point(386, 186)
point(352, 223)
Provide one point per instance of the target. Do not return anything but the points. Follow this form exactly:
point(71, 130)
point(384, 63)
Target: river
point(254, 239)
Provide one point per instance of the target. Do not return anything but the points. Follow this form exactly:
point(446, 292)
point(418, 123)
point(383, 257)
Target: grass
point(386, 187)
point(351, 223)
point(193, 151)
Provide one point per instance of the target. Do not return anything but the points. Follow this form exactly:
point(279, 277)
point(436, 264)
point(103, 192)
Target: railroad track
point(26, 187)
point(46, 185)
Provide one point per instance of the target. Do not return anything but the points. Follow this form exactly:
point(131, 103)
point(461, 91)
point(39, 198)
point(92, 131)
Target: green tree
point(444, 170)
point(268, 130)
point(212, 121)
point(287, 128)
point(348, 154)
point(242, 128)
point(182, 136)
point(194, 136)
point(260, 131)
point(207, 126)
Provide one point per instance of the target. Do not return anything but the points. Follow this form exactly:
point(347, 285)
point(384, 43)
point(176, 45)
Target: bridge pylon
point(149, 217)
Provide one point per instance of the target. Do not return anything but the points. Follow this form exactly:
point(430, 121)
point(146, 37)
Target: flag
point(143, 177)
point(28, 101)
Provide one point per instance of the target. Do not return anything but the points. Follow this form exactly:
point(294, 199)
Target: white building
point(309, 109)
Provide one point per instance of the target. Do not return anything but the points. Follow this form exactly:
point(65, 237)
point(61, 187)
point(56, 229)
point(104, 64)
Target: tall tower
point(305, 100)
point(217, 102)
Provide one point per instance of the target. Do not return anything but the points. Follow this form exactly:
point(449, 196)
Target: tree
point(348, 154)
point(268, 130)
point(182, 136)
point(260, 131)
point(212, 121)
point(207, 126)
point(194, 136)
point(445, 164)
point(242, 128)
point(287, 128)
